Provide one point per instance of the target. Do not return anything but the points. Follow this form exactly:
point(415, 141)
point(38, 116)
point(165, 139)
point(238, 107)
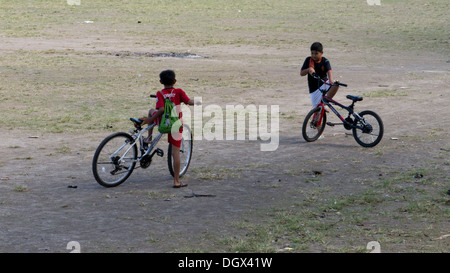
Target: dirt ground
point(50, 198)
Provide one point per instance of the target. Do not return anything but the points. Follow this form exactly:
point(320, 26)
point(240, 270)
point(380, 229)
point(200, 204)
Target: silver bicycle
point(118, 154)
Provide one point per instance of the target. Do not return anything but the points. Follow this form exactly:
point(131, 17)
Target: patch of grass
point(219, 173)
point(14, 147)
point(347, 222)
point(21, 188)
point(64, 149)
point(385, 93)
point(159, 195)
point(88, 88)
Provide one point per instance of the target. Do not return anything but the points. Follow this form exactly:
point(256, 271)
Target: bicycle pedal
point(333, 124)
point(160, 152)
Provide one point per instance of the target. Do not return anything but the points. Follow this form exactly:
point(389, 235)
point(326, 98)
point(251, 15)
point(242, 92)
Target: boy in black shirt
point(321, 66)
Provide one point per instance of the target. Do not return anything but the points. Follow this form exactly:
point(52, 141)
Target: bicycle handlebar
point(315, 76)
point(152, 96)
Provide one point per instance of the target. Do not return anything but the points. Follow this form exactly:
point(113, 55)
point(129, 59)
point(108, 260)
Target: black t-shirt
point(321, 69)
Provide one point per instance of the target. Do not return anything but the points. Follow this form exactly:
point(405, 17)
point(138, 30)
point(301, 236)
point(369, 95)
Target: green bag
point(169, 117)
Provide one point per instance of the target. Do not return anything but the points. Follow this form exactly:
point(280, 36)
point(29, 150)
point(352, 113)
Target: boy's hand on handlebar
point(315, 76)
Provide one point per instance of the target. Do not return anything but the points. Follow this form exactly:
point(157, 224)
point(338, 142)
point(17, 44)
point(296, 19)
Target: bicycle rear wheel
point(185, 152)
point(372, 129)
point(312, 127)
point(114, 160)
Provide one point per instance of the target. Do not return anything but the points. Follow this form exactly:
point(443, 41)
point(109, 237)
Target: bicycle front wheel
point(185, 152)
point(370, 131)
point(114, 160)
point(312, 125)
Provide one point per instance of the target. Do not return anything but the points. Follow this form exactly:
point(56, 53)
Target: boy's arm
point(307, 68)
point(184, 98)
point(192, 102)
point(307, 71)
point(330, 76)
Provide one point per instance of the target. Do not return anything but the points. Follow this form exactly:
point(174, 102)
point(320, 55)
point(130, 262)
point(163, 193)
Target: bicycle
point(367, 126)
point(118, 154)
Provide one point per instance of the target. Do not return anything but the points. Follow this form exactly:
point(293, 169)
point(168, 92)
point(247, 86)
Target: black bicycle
point(367, 126)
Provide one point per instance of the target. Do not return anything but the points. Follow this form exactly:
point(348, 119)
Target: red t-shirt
point(176, 95)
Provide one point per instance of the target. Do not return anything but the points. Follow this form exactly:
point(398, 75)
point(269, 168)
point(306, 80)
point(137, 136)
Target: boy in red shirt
point(167, 78)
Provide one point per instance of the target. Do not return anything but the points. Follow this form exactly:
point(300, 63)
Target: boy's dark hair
point(317, 47)
point(167, 77)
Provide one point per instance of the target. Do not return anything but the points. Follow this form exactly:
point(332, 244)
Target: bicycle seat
point(137, 121)
point(354, 98)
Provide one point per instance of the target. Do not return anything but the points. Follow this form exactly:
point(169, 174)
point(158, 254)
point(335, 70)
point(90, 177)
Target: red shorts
point(175, 140)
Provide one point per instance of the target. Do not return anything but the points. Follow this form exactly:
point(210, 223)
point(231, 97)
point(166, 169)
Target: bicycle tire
point(311, 132)
point(103, 165)
point(185, 152)
point(373, 131)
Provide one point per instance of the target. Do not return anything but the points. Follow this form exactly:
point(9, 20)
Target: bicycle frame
point(329, 102)
point(138, 139)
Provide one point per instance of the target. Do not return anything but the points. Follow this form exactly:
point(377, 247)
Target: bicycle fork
point(318, 116)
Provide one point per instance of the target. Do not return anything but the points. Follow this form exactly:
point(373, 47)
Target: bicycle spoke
point(370, 129)
point(105, 162)
point(113, 165)
point(312, 126)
